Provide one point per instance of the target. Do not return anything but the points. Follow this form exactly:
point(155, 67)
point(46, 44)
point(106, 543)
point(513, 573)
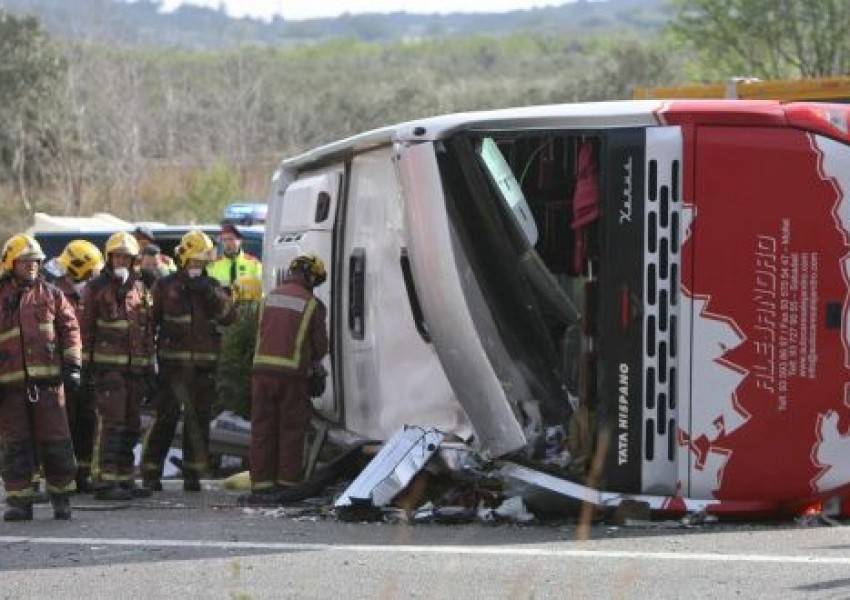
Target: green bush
point(233, 382)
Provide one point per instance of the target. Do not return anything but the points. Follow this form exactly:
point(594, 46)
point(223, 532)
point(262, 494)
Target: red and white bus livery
point(660, 284)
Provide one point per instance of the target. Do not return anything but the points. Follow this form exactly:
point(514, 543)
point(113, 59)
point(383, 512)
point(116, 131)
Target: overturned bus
point(644, 299)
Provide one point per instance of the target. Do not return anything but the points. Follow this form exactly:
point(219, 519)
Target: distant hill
point(192, 27)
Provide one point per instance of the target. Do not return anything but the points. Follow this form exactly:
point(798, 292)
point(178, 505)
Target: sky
point(308, 9)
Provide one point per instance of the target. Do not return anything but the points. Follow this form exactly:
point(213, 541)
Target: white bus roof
point(592, 115)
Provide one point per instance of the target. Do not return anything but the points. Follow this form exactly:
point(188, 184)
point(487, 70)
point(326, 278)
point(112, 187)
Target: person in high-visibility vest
point(237, 270)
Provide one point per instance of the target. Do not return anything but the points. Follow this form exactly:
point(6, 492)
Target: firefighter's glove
point(205, 288)
point(72, 378)
point(316, 380)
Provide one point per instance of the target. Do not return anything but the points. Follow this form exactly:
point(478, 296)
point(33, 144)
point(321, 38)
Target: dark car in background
point(167, 238)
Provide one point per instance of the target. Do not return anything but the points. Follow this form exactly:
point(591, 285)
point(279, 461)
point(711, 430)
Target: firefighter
point(188, 308)
point(291, 342)
point(236, 270)
point(80, 262)
point(118, 347)
point(40, 355)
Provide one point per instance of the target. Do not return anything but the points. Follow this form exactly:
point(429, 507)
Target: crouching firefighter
point(188, 308)
point(291, 342)
point(39, 348)
point(80, 262)
point(118, 348)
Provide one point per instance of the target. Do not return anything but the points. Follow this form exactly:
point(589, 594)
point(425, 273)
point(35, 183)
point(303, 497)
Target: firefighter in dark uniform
point(40, 355)
point(118, 347)
point(80, 262)
point(291, 342)
point(189, 306)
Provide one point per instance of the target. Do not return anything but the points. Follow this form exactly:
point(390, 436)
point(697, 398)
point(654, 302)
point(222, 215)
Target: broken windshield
point(524, 211)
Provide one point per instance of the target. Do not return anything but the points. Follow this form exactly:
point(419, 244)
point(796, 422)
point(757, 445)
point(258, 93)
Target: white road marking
point(462, 550)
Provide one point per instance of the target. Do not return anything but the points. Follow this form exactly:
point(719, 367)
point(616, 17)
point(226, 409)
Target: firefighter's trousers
point(33, 426)
point(280, 417)
point(82, 421)
point(192, 390)
point(118, 396)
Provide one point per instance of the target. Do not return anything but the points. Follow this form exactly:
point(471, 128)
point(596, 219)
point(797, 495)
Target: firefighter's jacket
point(117, 325)
point(293, 333)
point(39, 333)
point(187, 314)
point(233, 273)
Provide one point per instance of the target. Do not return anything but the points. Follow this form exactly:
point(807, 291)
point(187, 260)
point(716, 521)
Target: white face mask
point(121, 273)
point(78, 287)
point(194, 272)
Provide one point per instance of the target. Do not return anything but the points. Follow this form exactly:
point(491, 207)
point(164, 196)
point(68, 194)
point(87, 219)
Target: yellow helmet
point(248, 288)
point(80, 258)
point(20, 246)
point(121, 243)
point(195, 245)
point(310, 265)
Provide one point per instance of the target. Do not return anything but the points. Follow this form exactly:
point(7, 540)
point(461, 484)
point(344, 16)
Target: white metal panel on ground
point(398, 462)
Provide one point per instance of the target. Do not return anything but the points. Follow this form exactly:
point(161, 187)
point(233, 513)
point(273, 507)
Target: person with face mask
point(79, 263)
point(188, 308)
point(40, 354)
point(118, 348)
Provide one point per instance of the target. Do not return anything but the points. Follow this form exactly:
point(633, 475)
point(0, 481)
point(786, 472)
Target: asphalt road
point(179, 545)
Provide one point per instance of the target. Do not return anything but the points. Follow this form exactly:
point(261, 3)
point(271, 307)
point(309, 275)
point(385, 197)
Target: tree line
point(173, 135)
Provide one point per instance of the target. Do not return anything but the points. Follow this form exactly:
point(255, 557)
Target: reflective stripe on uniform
point(73, 353)
point(43, 371)
point(47, 328)
point(65, 489)
point(187, 355)
point(290, 302)
point(8, 335)
point(34, 371)
point(178, 319)
point(27, 492)
point(113, 477)
point(12, 376)
point(294, 360)
point(121, 359)
point(118, 324)
point(258, 486)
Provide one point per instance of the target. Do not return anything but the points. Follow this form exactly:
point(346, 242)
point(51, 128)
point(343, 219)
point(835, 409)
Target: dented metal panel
point(393, 467)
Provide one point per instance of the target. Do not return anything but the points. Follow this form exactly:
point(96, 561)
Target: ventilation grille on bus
point(661, 313)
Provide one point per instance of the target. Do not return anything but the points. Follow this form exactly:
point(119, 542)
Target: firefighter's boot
point(152, 483)
point(112, 493)
point(191, 483)
point(61, 507)
point(18, 512)
point(136, 491)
